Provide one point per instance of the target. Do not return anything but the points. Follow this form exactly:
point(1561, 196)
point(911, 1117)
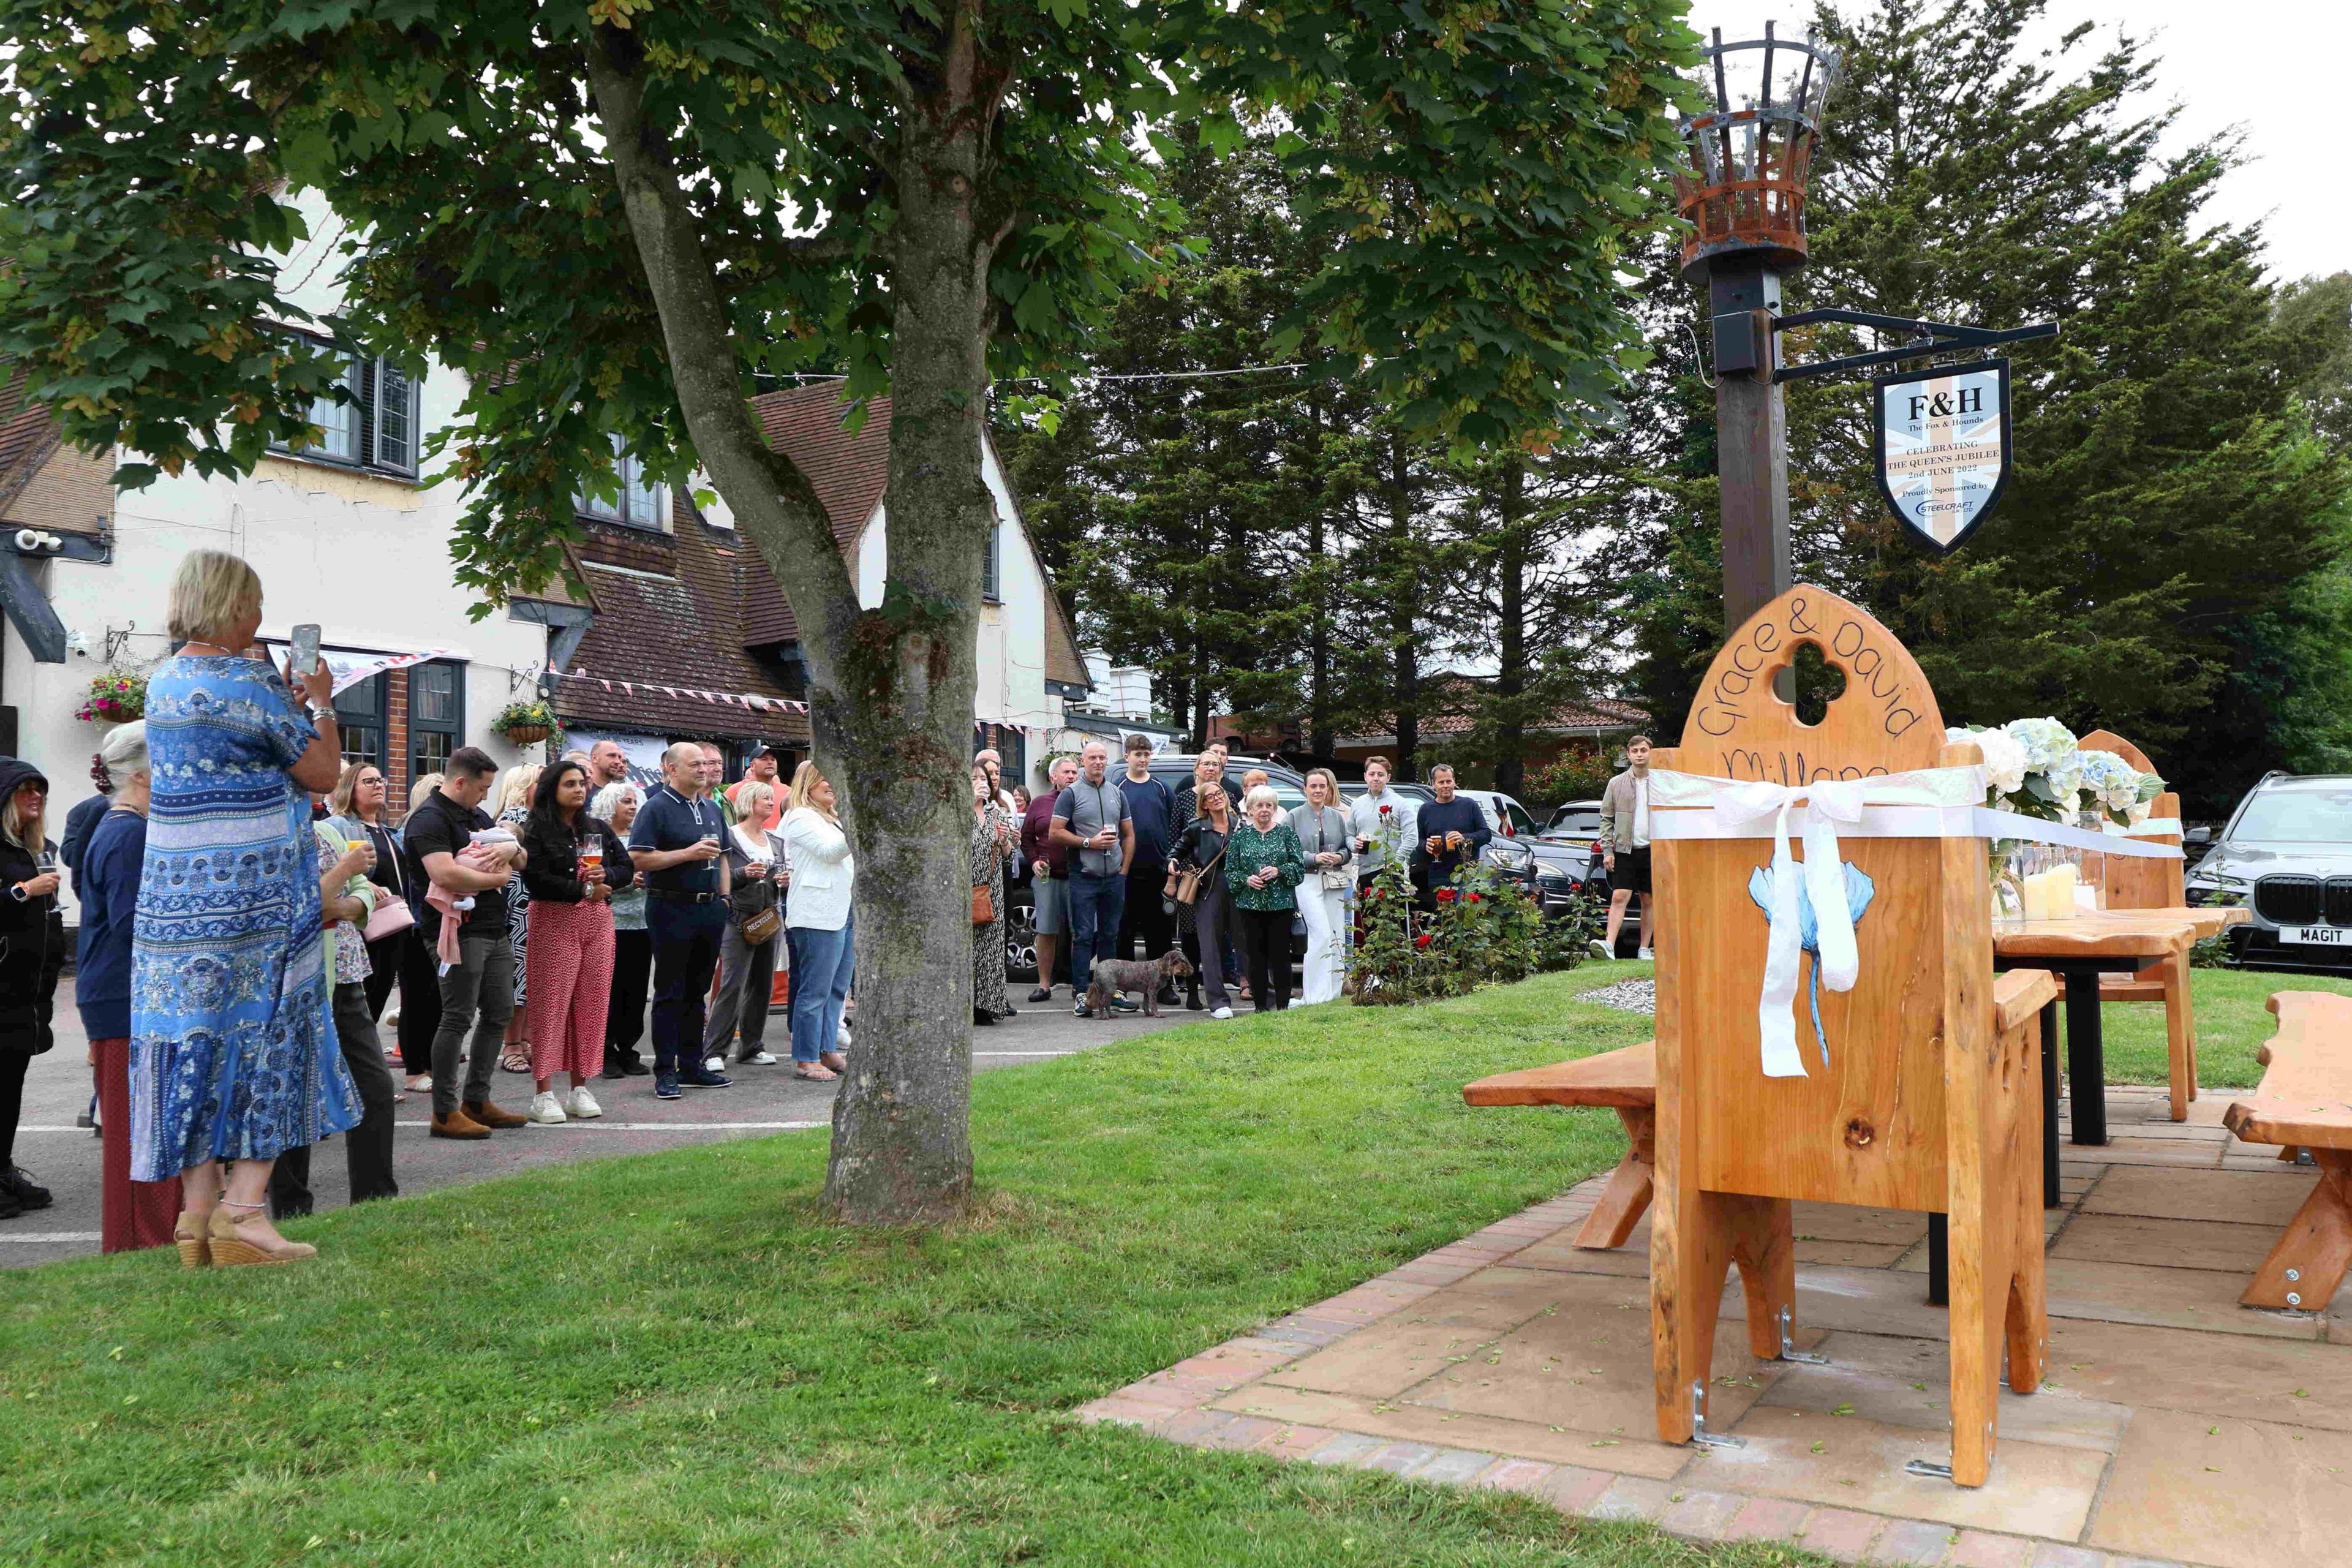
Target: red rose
point(1421, 940)
point(1386, 810)
point(1474, 897)
point(1444, 895)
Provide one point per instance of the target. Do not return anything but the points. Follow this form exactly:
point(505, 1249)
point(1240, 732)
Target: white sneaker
point(1223, 1013)
point(582, 1104)
point(764, 1059)
point(714, 1064)
point(1644, 954)
point(1601, 949)
point(841, 1039)
point(544, 1111)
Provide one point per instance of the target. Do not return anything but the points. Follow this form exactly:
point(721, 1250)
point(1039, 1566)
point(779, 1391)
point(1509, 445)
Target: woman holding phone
point(233, 1058)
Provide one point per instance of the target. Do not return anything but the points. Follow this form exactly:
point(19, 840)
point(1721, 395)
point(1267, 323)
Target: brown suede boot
point(487, 1113)
point(458, 1124)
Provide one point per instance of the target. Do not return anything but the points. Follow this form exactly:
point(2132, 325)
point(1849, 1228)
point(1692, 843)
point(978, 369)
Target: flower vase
point(2007, 877)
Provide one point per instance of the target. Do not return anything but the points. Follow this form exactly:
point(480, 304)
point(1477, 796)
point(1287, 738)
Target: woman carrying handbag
point(1196, 884)
point(992, 845)
point(758, 877)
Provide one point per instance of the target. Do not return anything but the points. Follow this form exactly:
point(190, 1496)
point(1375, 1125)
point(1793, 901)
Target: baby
point(486, 850)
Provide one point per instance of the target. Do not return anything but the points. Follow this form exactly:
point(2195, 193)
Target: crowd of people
point(251, 907)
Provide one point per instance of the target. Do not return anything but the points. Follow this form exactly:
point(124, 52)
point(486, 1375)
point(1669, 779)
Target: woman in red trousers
point(574, 865)
point(133, 1214)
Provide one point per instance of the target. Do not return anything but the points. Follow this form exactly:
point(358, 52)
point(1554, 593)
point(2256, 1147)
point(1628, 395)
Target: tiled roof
point(848, 472)
point(29, 435)
point(1442, 691)
point(665, 616)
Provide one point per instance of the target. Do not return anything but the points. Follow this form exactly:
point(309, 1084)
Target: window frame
point(453, 728)
point(364, 379)
point(991, 566)
point(372, 718)
point(627, 469)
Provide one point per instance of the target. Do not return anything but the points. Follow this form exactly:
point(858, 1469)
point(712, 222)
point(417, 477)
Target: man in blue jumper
point(1452, 831)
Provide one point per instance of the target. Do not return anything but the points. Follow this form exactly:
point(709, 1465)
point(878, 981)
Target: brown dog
point(1111, 975)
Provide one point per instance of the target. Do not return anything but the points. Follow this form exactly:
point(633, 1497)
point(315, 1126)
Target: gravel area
point(1633, 995)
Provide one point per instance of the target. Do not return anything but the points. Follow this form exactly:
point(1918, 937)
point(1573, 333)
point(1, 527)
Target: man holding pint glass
point(675, 845)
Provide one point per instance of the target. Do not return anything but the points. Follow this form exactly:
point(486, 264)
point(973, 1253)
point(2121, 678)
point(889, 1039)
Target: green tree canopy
point(612, 217)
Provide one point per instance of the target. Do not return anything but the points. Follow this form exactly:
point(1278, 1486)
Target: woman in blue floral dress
point(234, 1057)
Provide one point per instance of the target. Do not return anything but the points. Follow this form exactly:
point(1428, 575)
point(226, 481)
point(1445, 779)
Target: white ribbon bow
point(1735, 804)
point(1839, 962)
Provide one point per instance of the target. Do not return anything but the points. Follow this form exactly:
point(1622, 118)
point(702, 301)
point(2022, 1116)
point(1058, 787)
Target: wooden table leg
point(2051, 1194)
point(2179, 1053)
point(2304, 1269)
point(1627, 1197)
point(1939, 1260)
point(2087, 1068)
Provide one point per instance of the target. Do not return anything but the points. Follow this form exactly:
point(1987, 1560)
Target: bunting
point(750, 701)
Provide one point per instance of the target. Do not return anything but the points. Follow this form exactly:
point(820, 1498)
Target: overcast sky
point(2276, 68)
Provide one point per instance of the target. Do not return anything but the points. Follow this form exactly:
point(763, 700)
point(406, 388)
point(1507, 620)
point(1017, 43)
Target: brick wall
point(395, 741)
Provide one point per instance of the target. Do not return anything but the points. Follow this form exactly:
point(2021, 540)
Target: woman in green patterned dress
point(1264, 864)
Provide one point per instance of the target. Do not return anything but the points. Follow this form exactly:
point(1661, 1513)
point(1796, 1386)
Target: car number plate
point(2317, 936)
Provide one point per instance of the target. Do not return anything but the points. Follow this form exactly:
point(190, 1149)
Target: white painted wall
point(365, 557)
point(1011, 644)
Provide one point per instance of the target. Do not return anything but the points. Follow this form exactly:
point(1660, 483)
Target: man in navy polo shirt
point(675, 846)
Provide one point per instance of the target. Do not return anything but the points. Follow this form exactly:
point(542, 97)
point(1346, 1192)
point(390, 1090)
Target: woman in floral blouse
point(1264, 864)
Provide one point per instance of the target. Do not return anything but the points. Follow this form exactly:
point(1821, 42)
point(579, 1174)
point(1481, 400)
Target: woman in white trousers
point(1323, 830)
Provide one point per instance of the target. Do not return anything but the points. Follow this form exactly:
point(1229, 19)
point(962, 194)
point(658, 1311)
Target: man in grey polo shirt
point(1091, 822)
point(1049, 866)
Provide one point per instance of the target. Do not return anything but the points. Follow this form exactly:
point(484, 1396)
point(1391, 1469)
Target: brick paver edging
point(1173, 1404)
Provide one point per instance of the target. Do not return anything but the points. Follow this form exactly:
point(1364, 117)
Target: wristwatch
point(17, 892)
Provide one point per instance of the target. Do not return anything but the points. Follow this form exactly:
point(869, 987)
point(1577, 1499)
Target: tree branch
point(777, 505)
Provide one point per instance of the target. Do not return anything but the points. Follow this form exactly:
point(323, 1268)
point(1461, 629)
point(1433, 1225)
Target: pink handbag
point(392, 917)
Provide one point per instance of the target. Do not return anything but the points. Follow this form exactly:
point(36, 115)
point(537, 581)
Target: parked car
point(1505, 815)
point(2286, 854)
point(1575, 819)
point(1349, 790)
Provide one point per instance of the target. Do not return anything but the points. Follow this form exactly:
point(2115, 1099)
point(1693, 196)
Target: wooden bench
point(1626, 1081)
point(2134, 883)
point(2304, 1101)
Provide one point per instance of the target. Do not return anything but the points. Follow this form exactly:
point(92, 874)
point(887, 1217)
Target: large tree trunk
point(890, 689)
point(1511, 565)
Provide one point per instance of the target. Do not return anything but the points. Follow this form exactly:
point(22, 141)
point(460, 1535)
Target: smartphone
point(305, 649)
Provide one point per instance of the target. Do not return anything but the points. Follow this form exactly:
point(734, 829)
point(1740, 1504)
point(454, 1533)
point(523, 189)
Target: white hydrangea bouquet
point(2035, 767)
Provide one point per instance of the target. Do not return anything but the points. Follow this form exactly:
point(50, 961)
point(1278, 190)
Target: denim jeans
point(822, 962)
point(1095, 904)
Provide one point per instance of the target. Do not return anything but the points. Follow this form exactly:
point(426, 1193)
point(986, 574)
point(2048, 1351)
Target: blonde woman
point(512, 808)
point(757, 876)
point(1323, 828)
point(233, 1058)
point(420, 969)
point(818, 928)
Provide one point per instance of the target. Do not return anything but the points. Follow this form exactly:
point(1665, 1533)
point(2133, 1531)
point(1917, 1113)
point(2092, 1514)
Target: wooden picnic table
point(2079, 950)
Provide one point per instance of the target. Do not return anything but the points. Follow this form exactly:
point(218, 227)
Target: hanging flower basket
point(525, 723)
point(114, 698)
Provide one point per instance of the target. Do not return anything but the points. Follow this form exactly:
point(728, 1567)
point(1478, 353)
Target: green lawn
point(2231, 1020)
point(668, 1360)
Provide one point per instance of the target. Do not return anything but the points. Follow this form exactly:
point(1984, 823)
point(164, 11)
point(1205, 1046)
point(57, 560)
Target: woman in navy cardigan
point(134, 1214)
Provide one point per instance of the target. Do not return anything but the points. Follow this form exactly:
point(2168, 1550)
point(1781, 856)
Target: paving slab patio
point(2172, 1425)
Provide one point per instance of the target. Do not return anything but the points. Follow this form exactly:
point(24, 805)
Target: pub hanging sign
point(1942, 442)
